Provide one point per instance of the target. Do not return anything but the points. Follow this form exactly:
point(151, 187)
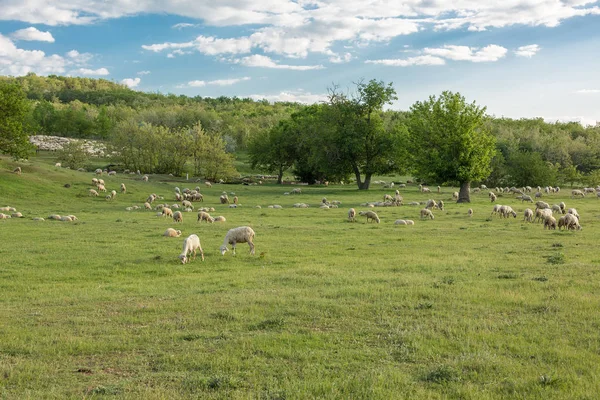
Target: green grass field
point(456, 307)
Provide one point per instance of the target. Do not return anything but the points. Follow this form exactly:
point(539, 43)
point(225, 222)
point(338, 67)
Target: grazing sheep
point(235, 200)
point(95, 181)
point(98, 171)
point(441, 205)
point(506, 211)
point(426, 213)
point(455, 196)
point(371, 215)
point(147, 206)
point(538, 194)
point(224, 199)
point(123, 188)
point(572, 222)
point(55, 217)
point(242, 234)
point(93, 192)
point(528, 215)
point(170, 232)
point(101, 187)
point(178, 216)
point(167, 212)
point(431, 204)
point(470, 212)
point(58, 165)
point(37, 219)
point(496, 209)
point(556, 208)
point(220, 218)
point(101, 181)
point(352, 215)
point(187, 204)
point(576, 192)
point(191, 244)
point(542, 205)
point(112, 173)
point(208, 184)
point(296, 191)
point(17, 171)
point(17, 215)
point(404, 222)
point(574, 212)
point(526, 198)
point(550, 223)
point(492, 197)
point(204, 216)
point(145, 178)
point(113, 194)
point(542, 213)
point(66, 218)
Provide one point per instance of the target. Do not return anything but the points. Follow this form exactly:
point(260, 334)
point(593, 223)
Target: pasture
point(455, 307)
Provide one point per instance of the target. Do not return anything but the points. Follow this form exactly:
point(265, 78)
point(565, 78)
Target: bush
point(73, 155)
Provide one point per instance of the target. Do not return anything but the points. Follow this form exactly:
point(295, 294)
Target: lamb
point(93, 192)
point(17, 171)
point(371, 215)
point(220, 218)
point(170, 232)
point(224, 199)
point(550, 223)
point(528, 215)
point(576, 192)
point(242, 234)
point(167, 212)
point(426, 213)
point(178, 216)
point(470, 212)
point(352, 215)
point(123, 188)
point(204, 216)
point(191, 244)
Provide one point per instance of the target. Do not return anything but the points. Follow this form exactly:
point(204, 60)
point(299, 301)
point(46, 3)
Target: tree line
point(351, 136)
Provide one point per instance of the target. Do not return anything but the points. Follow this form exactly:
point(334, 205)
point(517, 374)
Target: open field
point(456, 307)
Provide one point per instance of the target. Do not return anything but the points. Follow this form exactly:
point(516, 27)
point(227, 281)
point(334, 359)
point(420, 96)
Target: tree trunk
point(365, 185)
point(280, 176)
point(463, 195)
point(357, 174)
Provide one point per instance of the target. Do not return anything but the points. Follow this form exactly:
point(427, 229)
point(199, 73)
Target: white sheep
point(576, 192)
point(145, 178)
point(455, 196)
point(352, 215)
point(542, 205)
point(170, 232)
point(58, 165)
point(178, 216)
point(526, 198)
point(506, 211)
point(528, 215)
point(492, 197)
point(123, 188)
point(93, 193)
point(208, 184)
point(371, 215)
point(542, 213)
point(17, 215)
point(224, 199)
point(98, 171)
point(113, 194)
point(101, 187)
point(574, 212)
point(470, 212)
point(191, 244)
point(187, 204)
point(220, 218)
point(431, 204)
point(17, 171)
point(242, 234)
point(426, 213)
point(550, 223)
point(404, 222)
point(167, 212)
point(204, 216)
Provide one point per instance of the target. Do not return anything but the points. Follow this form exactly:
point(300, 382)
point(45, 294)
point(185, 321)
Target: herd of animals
point(543, 212)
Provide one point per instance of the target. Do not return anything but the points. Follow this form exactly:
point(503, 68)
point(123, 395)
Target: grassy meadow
point(456, 307)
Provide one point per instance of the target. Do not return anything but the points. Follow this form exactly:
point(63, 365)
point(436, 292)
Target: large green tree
point(275, 151)
point(450, 142)
point(13, 113)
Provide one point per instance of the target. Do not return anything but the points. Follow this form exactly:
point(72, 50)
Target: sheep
point(17, 171)
point(506, 211)
point(431, 204)
point(296, 191)
point(123, 188)
point(541, 205)
point(37, 219)
point(538, 194)
point(425, 190)
point(187, 204)
point(4, 216)
point(387, 197)
point(145, 178)
point(576, 192)
point(101, 181)
point(426, 213)
point(191, 244)
point(556, 208)
point(170, 232)
point(455, 196)
point(371, 215)
point(470, 212)
point(151, 198)
point(492, 197)
point(112, 173)
point(66, 218)
point(208, 184)
point(204, 216)
point(196, 197)
point(242, 234)
point(95, 181)
point(55, 217)
point(574, 212)
point(528, 215)
point(93, 192)
point(404, 222)
point(550, 223)
point(352, 215)
point(178, 216)
point(101, 188)
point(542, 213)
point(235, 200)
point(224, 199)
point(17, 215)
point(108, 197)
point(113, 194)
point(147, 206)
point(58, 165)
point(572, 222)
point(98, 171)
point(526, 198)
point(496, 209)
point(167, 212)
point(441, 205)
point(439, 189)
point(220, 218)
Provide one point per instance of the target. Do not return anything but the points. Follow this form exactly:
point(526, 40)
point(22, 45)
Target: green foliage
point(13, 111)
point(72, 155)
point(276, 150)
point(449, 140)
point(528, 168)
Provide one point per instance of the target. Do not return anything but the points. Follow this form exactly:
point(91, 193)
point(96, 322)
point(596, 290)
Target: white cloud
point(488, 53)
point(32, 33)
point(292, 96)
point(17, 62)
point(87, 71)
point(528, 51)
point(143, 73)
point(131, 82)
point(406, 62)
point(261, 61)
point(218, 82)
point(340, 58)
point(588, 91)
point(182, 25)
point(79, 58)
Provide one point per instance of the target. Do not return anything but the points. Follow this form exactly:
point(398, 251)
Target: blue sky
point(526, 58)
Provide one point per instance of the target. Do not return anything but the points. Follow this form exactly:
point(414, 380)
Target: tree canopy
point(450, 142)
point(14, 139)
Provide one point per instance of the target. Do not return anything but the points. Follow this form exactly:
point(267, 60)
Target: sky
point(519, 58)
